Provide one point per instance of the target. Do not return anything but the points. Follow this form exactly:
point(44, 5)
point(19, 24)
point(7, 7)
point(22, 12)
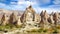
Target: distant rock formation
point(44, 19)
point(50, 19)
point(30, 17)
point(13, 18)
point(55, 17)
point(19, 23)
point(4, 19)
point(37, 18)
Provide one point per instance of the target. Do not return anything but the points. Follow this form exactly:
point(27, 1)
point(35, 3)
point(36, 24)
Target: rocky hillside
point(29, 19)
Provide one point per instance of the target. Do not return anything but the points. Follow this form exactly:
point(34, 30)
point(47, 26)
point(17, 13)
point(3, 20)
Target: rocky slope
point(30, 19)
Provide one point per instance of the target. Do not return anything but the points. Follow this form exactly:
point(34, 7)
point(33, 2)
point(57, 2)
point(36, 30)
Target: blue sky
point(38, 5)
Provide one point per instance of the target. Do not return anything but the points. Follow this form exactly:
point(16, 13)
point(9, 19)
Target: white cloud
point(56, 2)
point(17, 7)
point(49, 10)
point(21, 0)
point(26, 3)
point(22, 4)
point(54, 6)
point(13, 3)
point(2, 4)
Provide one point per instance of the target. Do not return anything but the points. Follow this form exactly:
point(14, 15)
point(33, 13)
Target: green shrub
point(34, 30)
point(40, 30)
point(45, 30)
point(55, 31)
point(2, 28)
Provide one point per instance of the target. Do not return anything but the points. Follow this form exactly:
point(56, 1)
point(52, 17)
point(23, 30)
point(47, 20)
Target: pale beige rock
point(50, 19)
point(4, 19)
point(44, 20)
point(37, 18)
point(28, 15)
point(44, 17)
point(19, 21)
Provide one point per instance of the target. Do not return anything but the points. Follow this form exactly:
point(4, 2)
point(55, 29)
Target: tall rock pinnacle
point(28, 15)
point(12, 18)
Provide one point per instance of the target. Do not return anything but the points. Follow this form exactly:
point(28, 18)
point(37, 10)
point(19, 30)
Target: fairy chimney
point(37, 18)
point(50, 19)
point(55, 17)
point(44, 17)
point(28, 15)
point(19, 21)
point(4, 19)
point(12, 18)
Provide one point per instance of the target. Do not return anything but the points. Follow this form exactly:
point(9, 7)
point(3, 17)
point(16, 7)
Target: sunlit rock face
point(44, 19)
point(19, 21)
point(13, 18)
point(37, 18)
point(29, 15)
point(4, 19)
point(30, 18)
point(46, 16)
point(50, 19)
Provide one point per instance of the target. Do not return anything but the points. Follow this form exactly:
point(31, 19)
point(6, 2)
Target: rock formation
point(59, 19)
point(55, 17)
point(50, 19)
point(28, 15)
point(44, 17)
point(37, 18)
point(4, 19)
point(31, 18)
point(13, 19)
point(19, 21)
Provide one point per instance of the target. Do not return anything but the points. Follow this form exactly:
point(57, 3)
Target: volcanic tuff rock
point(4, 19)
point(19, 23)
point(50, 19)
point(12, 18)
point(37, 18)
point(30, 17)
point(55, 17)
